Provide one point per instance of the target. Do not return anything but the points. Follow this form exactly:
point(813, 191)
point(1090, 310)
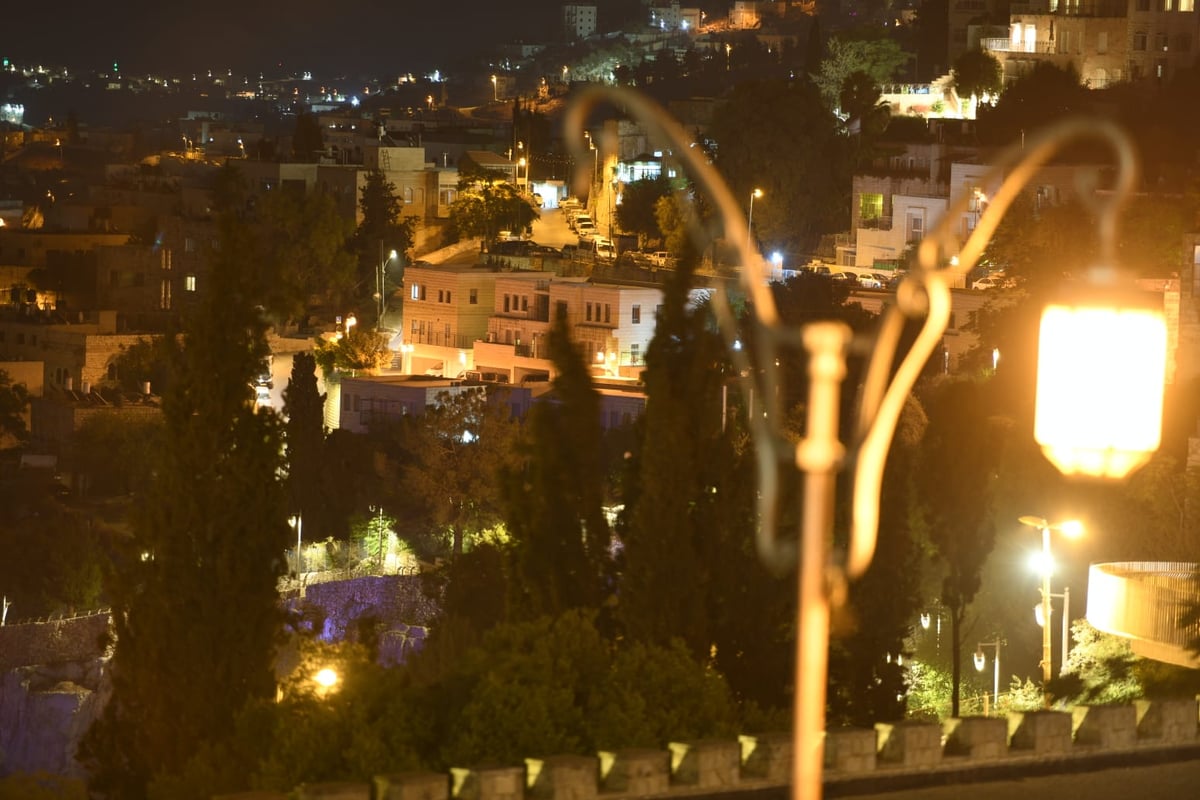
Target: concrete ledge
point(1040, 732)
point(978, 738)
point(335, 791)
point(705, 764)
point(1167, 720)
point(412, 786)
point(562, 777)
point(851, 750)
point(636, 772)
point(910, 744)
point(499, 783)
point(1110, 727)
point(767, 756)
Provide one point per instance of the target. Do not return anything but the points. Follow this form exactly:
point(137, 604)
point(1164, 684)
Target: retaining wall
point(1045, 740)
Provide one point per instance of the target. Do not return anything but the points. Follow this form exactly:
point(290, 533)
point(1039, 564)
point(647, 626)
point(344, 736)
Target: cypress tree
point(196, 610)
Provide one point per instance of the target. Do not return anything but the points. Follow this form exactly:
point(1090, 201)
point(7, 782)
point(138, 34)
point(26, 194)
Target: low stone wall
point(54, 641)
point(1050, 740)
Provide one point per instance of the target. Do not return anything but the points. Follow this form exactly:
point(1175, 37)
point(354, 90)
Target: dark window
point(637, 315)
point(474, 299)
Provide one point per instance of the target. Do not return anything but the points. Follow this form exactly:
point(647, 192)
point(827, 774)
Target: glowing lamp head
point(1100, 375)
point(980, 659)
point(326, 678)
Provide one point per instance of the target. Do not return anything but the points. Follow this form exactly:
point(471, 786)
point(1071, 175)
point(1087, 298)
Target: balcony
point(1009, 46)
point(876, 224)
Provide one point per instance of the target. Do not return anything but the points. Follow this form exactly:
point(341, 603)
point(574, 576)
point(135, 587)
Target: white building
point(579, 21)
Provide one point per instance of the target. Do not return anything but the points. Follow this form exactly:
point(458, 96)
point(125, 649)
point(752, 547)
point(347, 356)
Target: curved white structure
point(1144, 601)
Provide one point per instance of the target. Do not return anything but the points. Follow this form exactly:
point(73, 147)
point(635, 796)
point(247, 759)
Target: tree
point(955, 469)
point(1039, 97)
point(976, 74)
point(114, 455)
point(384, 228)
point(354, 351)
point(196, 605)
point(14, 400)
point(487, 204)
point(451, 459)
point(806, 194)
point(682, 482)
point(554, 494)
point(301, 240)
point(878, 58)
point(636, 213)
point(144, 361)
point(304, 439)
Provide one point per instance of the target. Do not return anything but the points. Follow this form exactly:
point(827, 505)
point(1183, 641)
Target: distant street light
point(495, 90)
point(750, 216)
point(296, 522)
point(981, 662)
point(1072, 529)
point(381, 289)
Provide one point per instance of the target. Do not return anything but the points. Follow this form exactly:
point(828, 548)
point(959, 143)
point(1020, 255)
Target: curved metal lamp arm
point(927, 293)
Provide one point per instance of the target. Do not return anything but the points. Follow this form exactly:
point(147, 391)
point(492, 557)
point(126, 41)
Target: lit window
point(415, 294)
point(189, 283)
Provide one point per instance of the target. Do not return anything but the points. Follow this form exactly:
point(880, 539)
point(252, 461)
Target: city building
point(579, 21)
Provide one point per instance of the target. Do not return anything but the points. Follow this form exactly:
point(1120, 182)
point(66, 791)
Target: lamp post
point(381, 288)
point(1039, 616)
point(1072, 529)
point(296, 523)
point(750, 217)
point(823, 574)
point(981, 662)
point(495, 90)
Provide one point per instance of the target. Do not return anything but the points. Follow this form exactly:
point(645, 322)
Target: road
point(1149, 781)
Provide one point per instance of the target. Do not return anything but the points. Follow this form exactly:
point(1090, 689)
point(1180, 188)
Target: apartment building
point(579, 21)
point(1105, 41)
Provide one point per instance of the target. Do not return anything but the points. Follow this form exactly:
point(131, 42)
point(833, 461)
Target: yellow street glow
point(1100, 388)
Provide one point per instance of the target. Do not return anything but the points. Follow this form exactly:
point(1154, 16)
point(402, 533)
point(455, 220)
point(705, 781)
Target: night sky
point(343, 37)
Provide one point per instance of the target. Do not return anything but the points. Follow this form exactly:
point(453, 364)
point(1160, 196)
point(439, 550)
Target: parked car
point(660, 258)
point(868, 281)
point(606, 250)
point(992, 281)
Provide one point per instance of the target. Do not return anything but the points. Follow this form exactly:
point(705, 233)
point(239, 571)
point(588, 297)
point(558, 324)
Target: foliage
point(487, 204)
point(878, 58)
point(636, 212)
point(955, 471)
point(554, 494)
point(144, 361)
point(1037, 98)
point(675, 217)
point(41, 786)
point(54, 555)
point(1021, 696)
point(304, 440)
point(448, 461)
point(929, 692)
point(1100, 668)
point(861, 100)
point(977, 73)
point(778, 136)
point(115, 454)
point(301, 241)
point(14, 399)
point(383, 228)
point(354, 351)
point(206, 547)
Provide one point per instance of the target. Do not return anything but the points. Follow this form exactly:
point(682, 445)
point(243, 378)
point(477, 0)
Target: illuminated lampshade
point(980, 660)
point(1100, 375)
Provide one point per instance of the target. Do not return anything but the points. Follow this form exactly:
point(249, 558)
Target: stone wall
point(54, 641)
point(901, 754)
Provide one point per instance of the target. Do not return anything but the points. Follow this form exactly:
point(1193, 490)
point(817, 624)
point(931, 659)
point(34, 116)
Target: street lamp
point(1039, 616)
point(296, 522)
point(750, 216)
point(522, 163)
point(1071, 529)
point(981, 662)
point(924, 295)
point(495, 90)
point(381, 288)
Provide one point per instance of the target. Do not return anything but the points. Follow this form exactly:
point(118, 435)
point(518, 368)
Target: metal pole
point(299, 551)
point(819, 455)
point(996, 678)
point(1066, 629)
point(1046, 656)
